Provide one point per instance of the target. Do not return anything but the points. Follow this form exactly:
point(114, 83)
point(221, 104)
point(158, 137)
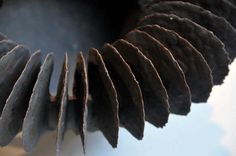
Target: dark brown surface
point(104, 106)
point(154, 93)
point(203, 40)
point(62, 119)
point(131, 109)
point(35, 122)
point(17, 103)
point(27, 22)
point(11, 66)
point(80, 91)
point(171, 74)
point(221, 8)
point(218, 25)
point(196, 70)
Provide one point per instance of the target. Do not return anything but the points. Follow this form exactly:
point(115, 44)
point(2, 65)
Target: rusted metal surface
point(131, 109)
point(157, 68)
point(212, 49)
point(193, 64)
point(218, 25)
point(170, 72)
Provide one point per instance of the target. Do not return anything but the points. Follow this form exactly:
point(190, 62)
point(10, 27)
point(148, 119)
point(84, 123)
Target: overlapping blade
point(203, 40)
point(80, 91)
point(196, 70)
point(36, 119)
point(218, 25)
point(11, 67)
point(171, 74)
point(154, 93)
point(104, 106)
point(17, 103)
point(144, 76)
point(221, 8)
point(62, 119)
point(131, 109)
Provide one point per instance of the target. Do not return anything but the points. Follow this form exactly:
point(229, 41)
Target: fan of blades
point(174, 56)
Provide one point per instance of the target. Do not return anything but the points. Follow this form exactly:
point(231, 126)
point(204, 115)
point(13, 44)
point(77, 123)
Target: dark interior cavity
point(61, 26)
point(64, 25)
